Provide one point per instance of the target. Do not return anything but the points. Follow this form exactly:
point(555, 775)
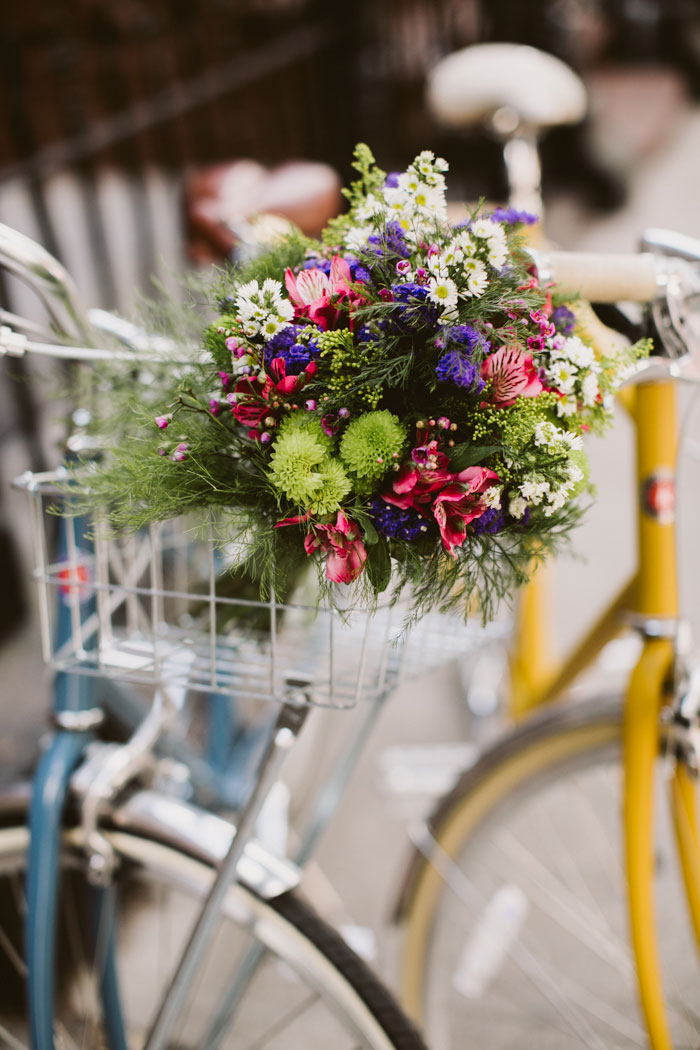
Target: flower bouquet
point(401, 403)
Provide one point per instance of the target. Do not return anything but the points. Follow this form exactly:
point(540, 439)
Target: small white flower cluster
point(417, 202)
point(572, 371)
point(534, 490)
point(263, 310)
point(461, 269)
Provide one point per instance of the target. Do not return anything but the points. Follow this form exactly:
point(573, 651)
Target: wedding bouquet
point(403, 402)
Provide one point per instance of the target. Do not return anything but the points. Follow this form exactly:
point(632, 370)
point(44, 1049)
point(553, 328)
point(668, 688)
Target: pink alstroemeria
point(512, 373)
point(414, 484)
point(459, 503)
point(317, 296)
point(340, 541)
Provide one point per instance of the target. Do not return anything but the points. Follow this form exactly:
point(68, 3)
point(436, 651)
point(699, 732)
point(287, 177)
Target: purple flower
point(455, 367)
point(513, 216)
point(392, 239)
point(412, 308)
point(466, 336)
point(316, 262)
point(564, 320)
point(296, 356)
point(490, 522)
point(395, 522)
point(392, 180)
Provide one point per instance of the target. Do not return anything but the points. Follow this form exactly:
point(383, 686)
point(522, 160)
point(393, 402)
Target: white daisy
point(356, 237)
point(476, 277)
point(547, 434)
point(485, 229)
point(249, 290)
point(568, 406)
point(570, 440)
point(272, 288)
point(443, 291)
point(272, 325)
point(563, 376)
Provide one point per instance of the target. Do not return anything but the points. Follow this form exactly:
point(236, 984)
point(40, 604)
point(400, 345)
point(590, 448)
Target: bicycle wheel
point(515, 911)
point(308, 991)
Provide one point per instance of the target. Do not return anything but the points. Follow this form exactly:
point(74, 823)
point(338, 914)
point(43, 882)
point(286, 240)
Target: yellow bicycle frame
point(650, 599)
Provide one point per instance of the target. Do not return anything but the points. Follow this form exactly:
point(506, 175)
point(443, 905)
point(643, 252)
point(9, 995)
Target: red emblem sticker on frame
point(75, 580)
point(659, 497)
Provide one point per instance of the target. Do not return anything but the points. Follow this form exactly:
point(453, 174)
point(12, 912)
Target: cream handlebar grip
point(603, 278)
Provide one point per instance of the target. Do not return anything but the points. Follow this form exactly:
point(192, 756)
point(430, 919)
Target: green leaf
point(371, 536)
point(463, 456)
point(379, 566)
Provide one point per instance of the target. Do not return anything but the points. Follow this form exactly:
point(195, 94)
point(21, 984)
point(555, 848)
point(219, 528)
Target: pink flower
point(253, 399)
point(459, 503)
point(317, 297)
point(341, 542)
point(512, 373)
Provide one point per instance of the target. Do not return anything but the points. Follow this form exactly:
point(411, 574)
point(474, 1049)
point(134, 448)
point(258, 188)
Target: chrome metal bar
point(289, 722)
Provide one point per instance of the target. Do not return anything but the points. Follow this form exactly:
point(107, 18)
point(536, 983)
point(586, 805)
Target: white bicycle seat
point(467, 87)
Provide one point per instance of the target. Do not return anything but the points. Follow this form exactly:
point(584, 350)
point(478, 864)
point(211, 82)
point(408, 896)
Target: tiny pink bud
point(225, 379)
point(265, 437)
point(214, 406)
point(182, 447)
point(161, 451)
point(161, 422)
point(379, 459)
point(231, 398)
point(232, 344)
point(310, 405)
point(344, 413)
point(395, 455)
point(178, 456)
point(443, 422)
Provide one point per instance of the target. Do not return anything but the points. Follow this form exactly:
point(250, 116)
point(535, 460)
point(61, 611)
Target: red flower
point(458, 504)
point(512, 373)
point(341, 542)
point(253, 398)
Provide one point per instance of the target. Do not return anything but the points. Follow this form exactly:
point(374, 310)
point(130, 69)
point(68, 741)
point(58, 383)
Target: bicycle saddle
point(469, 86)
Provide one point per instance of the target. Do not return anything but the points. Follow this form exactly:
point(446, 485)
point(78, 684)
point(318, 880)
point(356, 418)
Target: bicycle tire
point(328, 996)
point(555, 978)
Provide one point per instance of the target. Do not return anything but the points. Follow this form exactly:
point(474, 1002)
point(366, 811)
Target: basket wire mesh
point(152, 608)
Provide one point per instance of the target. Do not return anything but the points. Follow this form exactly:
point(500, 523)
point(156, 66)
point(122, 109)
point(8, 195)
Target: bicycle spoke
point(12, 953)
point(282, 1023)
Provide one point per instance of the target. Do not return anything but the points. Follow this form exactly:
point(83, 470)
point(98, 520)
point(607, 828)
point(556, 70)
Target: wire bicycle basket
point(152, 608)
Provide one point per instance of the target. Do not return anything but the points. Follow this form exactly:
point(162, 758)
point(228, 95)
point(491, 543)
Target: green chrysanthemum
point(334, 488)
point(307, 423)
point(303, 469)
point(372, 444)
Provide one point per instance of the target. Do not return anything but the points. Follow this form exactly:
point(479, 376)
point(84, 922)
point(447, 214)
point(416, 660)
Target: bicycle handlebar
point(604, 278)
